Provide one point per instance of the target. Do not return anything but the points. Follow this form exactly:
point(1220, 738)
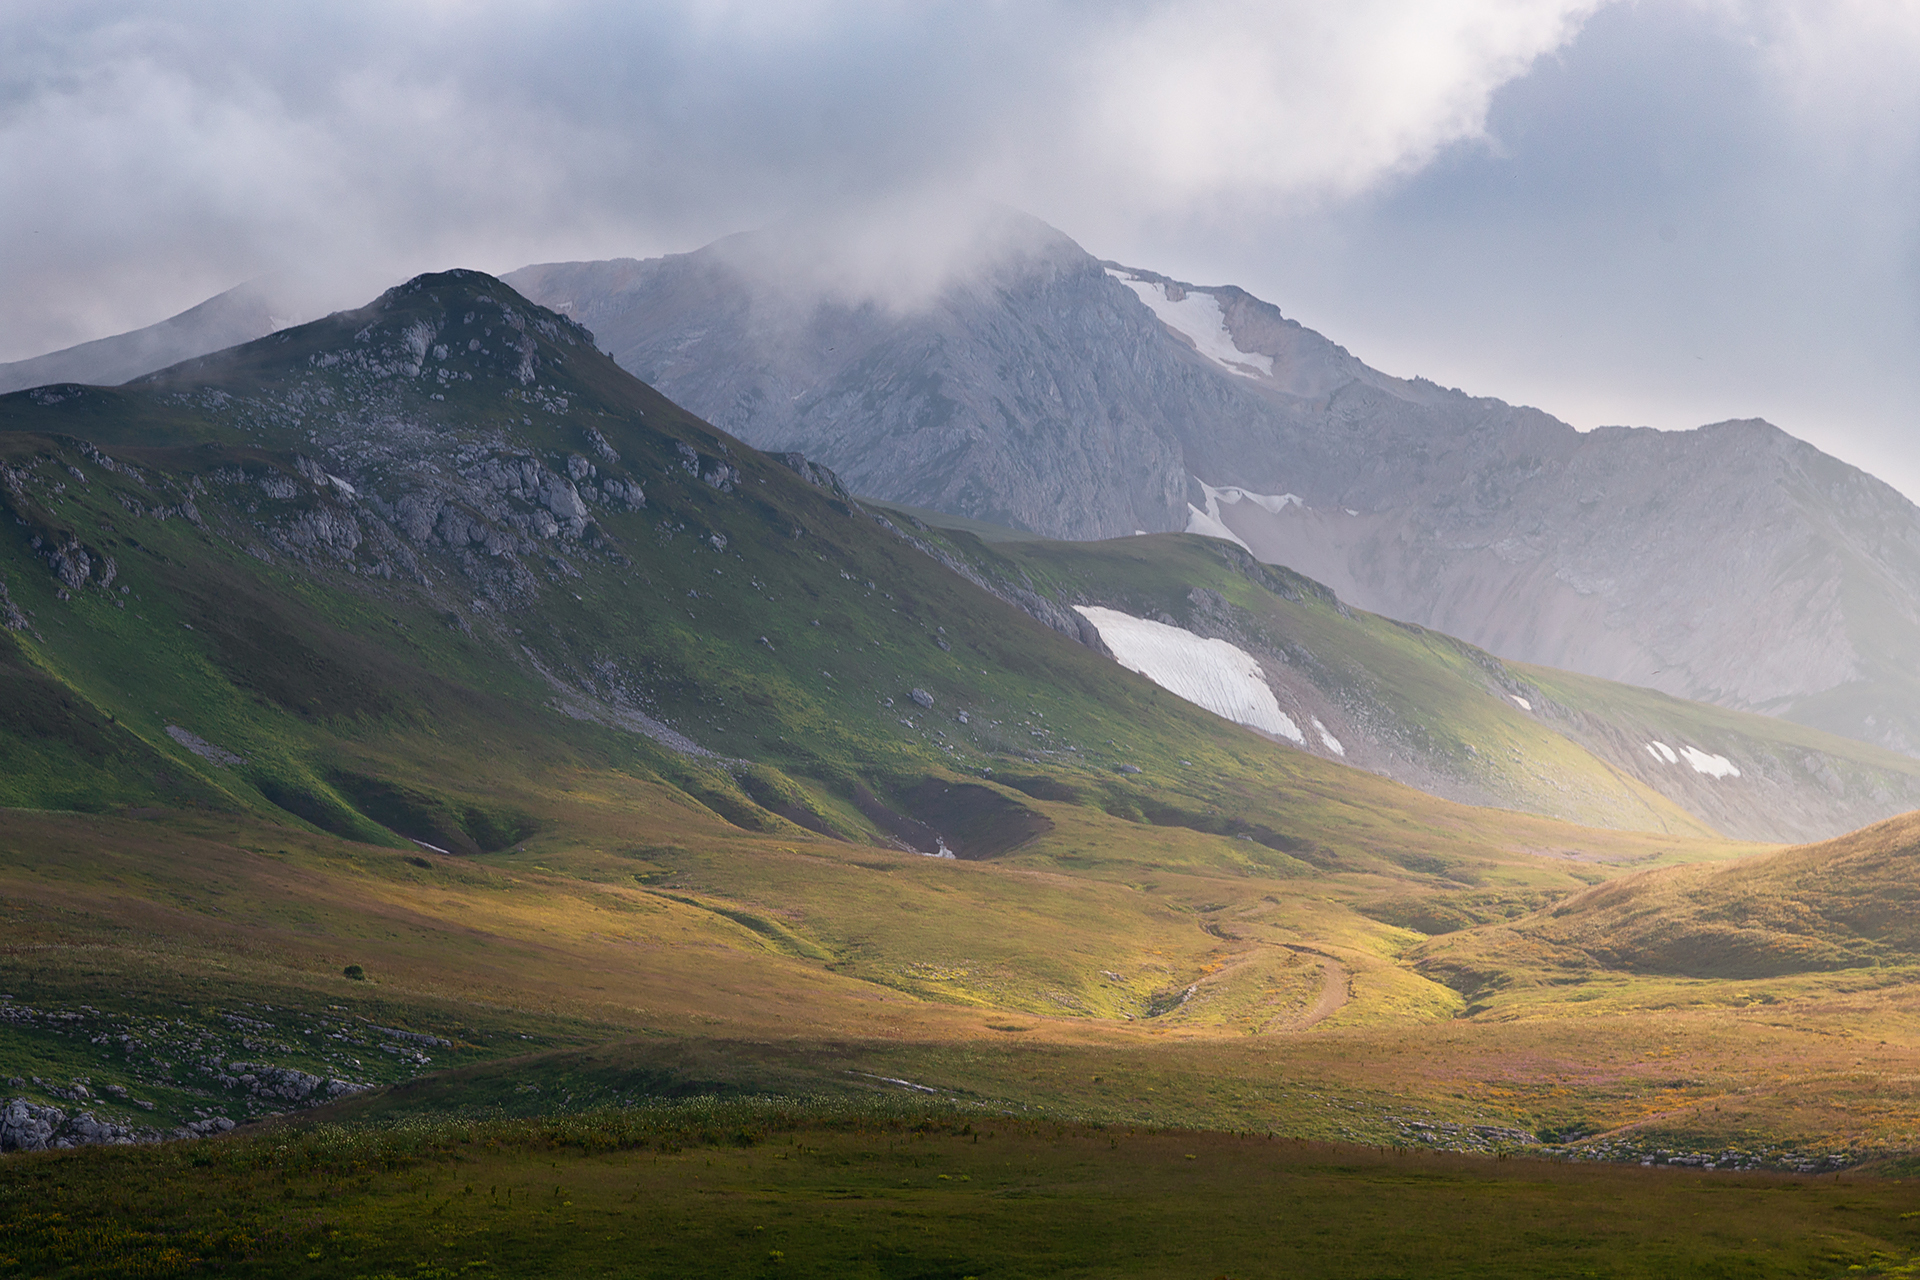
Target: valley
point(415, 726)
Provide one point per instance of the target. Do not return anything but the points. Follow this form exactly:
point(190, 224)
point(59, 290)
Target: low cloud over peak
point(174, 149)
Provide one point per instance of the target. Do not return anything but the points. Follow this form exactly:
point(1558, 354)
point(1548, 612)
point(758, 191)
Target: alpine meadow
point(895, 745)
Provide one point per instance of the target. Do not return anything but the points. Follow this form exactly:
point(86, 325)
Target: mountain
point(420, 673)
point(1425, 708)
point(241, 314)
point(1083, 399)
point(1402, 702)
point(414, 712)
point(301, 577)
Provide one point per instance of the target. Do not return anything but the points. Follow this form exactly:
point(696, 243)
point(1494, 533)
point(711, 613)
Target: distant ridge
point(239, 315)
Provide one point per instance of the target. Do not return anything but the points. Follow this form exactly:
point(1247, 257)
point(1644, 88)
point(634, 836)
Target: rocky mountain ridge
point(1085, 399)
point(1076, 398)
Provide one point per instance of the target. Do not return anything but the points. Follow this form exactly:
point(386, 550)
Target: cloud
point(1691, 212)
point(170, 150)
point(1660, 213)
point(1227, 98)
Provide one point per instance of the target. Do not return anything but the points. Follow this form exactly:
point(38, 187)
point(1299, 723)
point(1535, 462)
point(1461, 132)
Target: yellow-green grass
point(1234, 934)
point(785, 1189)
point(1842, 910)
point(759, 963)
point(1423, 688)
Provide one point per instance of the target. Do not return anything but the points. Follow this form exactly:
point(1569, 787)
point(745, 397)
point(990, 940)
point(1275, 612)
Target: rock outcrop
point(34, 1126)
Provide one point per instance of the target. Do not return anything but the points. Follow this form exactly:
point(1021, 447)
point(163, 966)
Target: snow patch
point(1273, 502)
point(1208, 522)
point(1522, 702)
point(1209, 525)
point(1222, 677)
point(1712, 766)
point(1661, 751)
point(1232, 493)
point(1333, 743)
point(1198, 318)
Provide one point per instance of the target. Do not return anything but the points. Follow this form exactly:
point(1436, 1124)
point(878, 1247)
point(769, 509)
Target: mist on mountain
point(1050, 391)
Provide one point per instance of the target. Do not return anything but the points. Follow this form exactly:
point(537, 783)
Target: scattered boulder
point(286, 1084)
point(416, 514)
point(601, 447)
point(10, 616)
point(29, 1126)
point(34, 1126)
point(922, 698)
point(204, 749)
point(325, 528)
point(624, 491)
point(814, 474)
point(86, 1130)
point(71, 564)
point(210, 1127)
point(558, 495)
point(278, 486)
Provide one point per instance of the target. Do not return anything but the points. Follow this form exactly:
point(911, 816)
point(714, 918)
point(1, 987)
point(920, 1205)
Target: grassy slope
point(1209, 937)
point(1846, 905)
point(1440, 713)
point(745, 1190)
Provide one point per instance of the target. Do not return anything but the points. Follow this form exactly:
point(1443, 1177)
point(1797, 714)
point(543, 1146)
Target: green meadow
point(783, 1188)
point(594, 879)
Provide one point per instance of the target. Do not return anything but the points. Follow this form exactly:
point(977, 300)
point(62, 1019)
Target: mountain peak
point(442, 329)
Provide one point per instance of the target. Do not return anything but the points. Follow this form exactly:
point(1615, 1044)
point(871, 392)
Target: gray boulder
point(29, 1126)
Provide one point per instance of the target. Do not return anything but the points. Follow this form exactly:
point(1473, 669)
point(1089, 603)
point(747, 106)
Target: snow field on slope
point(1222, 677)
point(1198, 317)
point(1272, 502)
point(1210, 524)
point(1711, 765)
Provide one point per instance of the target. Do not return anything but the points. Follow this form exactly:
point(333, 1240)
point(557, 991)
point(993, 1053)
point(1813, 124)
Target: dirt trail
point(1335, 979)
point(1333, 995)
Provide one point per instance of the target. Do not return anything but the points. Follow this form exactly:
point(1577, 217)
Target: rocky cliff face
point(1036, 394)
point(1081, 399)
point(1733, 565)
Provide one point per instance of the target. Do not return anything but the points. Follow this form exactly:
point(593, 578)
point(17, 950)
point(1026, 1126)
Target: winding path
point(1333, 994)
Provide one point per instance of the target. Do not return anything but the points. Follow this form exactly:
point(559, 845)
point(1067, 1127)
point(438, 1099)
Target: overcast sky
point(1659, 214)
